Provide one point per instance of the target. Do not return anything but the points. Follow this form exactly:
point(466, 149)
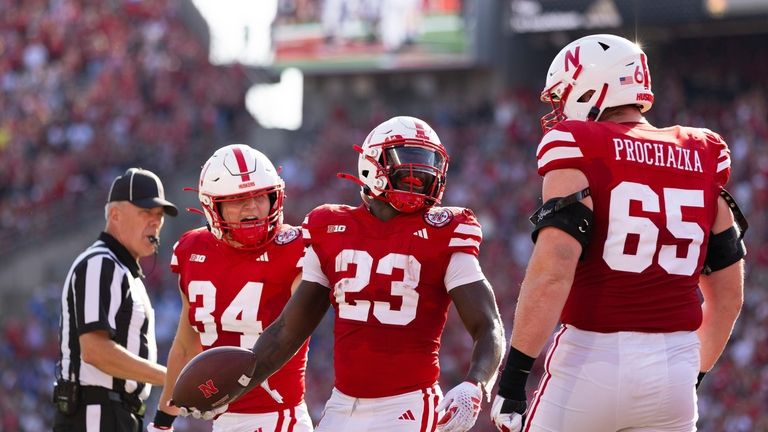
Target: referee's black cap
point(141, 188)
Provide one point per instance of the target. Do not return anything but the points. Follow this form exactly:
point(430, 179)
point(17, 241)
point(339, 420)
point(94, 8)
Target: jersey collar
point(122, 254)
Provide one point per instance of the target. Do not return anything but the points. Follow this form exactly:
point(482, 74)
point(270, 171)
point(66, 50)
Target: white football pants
point(625, 381)
point(409, 412)
point(294, 419)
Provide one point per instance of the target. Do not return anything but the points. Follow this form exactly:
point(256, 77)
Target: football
point(213, 378)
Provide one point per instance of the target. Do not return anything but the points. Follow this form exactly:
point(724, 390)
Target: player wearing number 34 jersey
point(635, 225)
point(235, 276)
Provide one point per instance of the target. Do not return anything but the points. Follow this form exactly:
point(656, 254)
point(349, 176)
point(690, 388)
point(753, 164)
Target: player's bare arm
point(723, 292)
point(476, 306)
point(185, 346)
point(287, 333)
point(550, 271)
point(113, 359)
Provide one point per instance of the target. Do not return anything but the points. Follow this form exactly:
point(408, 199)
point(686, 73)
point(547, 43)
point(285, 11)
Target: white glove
point(152, 428)
point(461, 406)
point(512, 419)
point(205, 415)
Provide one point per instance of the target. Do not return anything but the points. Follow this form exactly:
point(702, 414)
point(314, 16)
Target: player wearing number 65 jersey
point(390, 268)
point(635, 224)
point(235, 276)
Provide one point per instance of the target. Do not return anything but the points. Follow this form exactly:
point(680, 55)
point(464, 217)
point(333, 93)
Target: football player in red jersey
point(235, 276)
point(635, 223)
point(390, 268)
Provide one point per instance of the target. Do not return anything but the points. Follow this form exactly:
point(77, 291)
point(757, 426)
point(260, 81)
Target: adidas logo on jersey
point(197, 258)
point(421, 233)
point(408, 415)
point(264, 257)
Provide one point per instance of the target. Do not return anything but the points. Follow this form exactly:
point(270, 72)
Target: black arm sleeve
point(723, 250)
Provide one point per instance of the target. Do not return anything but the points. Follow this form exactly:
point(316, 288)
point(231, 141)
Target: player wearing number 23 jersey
point(390, 268)
point(635, 225)
point(388, 286)
point(235, 276)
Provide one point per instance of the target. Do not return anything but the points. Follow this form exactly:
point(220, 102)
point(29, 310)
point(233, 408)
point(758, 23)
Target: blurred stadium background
point(91, 87)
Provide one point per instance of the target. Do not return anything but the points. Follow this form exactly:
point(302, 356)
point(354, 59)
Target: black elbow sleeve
point(723, 250)
point(574, 218)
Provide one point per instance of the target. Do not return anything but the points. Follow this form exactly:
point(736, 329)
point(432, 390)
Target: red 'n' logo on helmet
point(572, 57)
point(208, 389)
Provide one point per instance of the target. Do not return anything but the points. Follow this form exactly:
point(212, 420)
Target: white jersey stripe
point(115, 296)
point(305, 233)
point(558, 153)
point(92, 275)
point(463, 242)
point(724, 164)
point(554, 135)
point(469, 229)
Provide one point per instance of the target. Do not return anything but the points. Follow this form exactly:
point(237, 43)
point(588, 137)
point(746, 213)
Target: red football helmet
point(239, 172)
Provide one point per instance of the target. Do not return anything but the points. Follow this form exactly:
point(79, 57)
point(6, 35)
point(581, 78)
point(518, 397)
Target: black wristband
point(515, 375)
point(699, 378)
point(163, 419)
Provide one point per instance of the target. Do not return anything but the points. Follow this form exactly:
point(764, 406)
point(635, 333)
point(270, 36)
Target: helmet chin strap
point(595, 111)
point(354, 179)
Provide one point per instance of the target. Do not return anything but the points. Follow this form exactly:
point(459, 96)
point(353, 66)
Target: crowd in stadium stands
point(85, 92)
point(88, 88)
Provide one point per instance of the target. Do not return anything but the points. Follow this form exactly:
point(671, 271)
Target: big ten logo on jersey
point(287, 236)
point(197, 258)
point(438, 217)
point(336, 228)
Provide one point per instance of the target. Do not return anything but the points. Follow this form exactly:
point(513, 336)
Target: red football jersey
point(234, 295)
point(387, 287)
point(655, 197)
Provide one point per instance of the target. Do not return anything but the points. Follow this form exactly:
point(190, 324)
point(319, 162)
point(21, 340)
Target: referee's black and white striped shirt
point(104, 291)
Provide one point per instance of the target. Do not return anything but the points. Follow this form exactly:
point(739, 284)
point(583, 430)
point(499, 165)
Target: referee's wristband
point(163, 419)
point(515, 375)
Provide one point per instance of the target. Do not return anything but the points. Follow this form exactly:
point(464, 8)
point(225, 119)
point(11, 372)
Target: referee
point(108, 354)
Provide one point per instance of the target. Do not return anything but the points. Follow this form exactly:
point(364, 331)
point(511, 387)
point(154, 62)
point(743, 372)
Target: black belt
point(98, 395)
